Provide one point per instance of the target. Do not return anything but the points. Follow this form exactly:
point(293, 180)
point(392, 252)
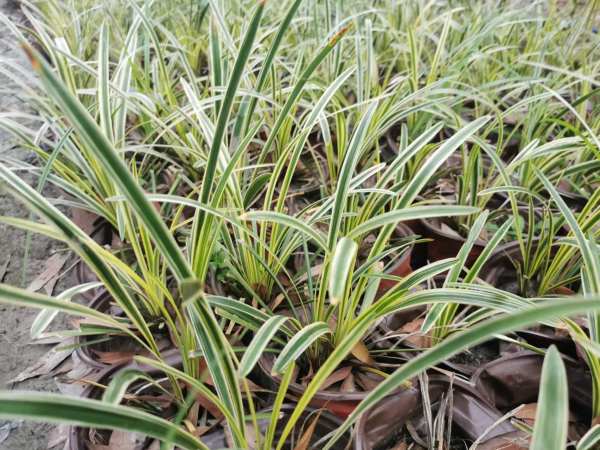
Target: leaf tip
point(33, 58)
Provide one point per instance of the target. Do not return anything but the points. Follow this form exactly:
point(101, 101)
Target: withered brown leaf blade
point(336, 377)
point(125, 440)
point(308, 433)
point(47, 363)
point(361, 352)
point(51, 270)
point(4, 267)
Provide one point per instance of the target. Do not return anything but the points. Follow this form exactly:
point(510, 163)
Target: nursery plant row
point(323, 224)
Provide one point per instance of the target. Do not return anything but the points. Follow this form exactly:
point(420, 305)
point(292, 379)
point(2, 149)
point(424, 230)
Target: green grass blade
point(112, 163)
point(92, 413)
point(351, 159)
point(298, 344)
point(437, 159)
point(195, 385)
point(411, 213)
point(46, 316)
point(442, 315)
point(114, 392)
point(268, 61)
point(259, 344)
point(217, 351)
point(20, 297)
point(552, 414)
point(590, 440)
point(284, 219)
point(199, 252)
point(342, 266)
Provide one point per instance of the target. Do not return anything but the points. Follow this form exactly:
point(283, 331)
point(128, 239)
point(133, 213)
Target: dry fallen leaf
point(361, 352)
point(400, 446)
point(84, 219)
point(58, 435)
point(336, 377)
point(114, 358)
point(368, 381)
point(4, 267)
point(517, 440)
point(308, 433)
point(527, 413)
point(348, 385)
point(47, 362)
point(49, 274)
point(415, 337)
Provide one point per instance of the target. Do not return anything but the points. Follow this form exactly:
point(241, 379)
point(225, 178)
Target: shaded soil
point(16, 350)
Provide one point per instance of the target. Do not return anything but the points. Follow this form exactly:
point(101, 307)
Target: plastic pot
point(401, 266)
point(447, 245)
point(471, 413)
point(514, 379)
point(326, 423)
point(103, 234)
point(338, 403)
point(126, 346)
point(78, 437)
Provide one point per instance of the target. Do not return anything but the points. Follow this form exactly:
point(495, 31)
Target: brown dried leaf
point(336, 377)
point(47, 362)
point(517, 440)
point(125, 440)
point(50, 272)
point(415, 337)
point(368, 381)
point(209, 406)
point(84, 219)
point(192, 415)
point(4, 267)
point(527, 413)
point(307, 435)
point(348, 385)
point(563, 290)
point(114, 358)
point(361, 352)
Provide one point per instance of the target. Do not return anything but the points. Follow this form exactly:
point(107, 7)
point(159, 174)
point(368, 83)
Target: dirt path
point(16, 350)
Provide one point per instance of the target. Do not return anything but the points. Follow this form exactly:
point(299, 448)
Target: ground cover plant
point(315, 224)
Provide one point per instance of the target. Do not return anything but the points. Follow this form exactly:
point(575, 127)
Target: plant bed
point(331, 217)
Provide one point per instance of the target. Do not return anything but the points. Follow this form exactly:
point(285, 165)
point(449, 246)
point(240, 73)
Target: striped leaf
point(113, 165)
point(93, 413)
point(552, 413)
point(590, 440)
point(217, 351)
point(437, 159)
point(298, 344)
point(200, 252)
point(259, 343)
point(284, 219)
point(342, 265)
point(410, 213)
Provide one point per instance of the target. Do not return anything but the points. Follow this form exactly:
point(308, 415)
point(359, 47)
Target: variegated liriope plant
point(211, 137)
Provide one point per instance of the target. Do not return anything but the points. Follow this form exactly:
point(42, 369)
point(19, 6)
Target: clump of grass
point(255, 160)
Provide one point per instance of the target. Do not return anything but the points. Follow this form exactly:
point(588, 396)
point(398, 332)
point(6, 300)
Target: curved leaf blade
point(552, 414)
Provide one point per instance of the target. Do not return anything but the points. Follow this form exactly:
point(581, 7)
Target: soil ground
point(16, 350)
